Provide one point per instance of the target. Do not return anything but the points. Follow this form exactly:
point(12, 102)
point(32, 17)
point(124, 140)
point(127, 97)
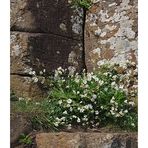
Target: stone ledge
point(86, 140)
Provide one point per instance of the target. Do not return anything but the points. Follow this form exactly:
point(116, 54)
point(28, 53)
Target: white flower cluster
point(36, 77)
point(115, 110)
point(89, 99)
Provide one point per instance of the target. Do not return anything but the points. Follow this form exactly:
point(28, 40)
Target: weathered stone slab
point(86, 140)
point(111, 33)
point(48, 16)
point(19, 125)
point(44, 51)
point(111, 140)
point(23, 87)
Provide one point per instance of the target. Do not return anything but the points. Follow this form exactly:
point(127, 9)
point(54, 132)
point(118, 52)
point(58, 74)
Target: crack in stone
point(21, 74)
point(47, 33)
point(83, 42)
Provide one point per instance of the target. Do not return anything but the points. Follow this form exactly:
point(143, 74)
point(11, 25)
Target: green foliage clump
point(86, 4)
point(25, 139)
point(89, 100)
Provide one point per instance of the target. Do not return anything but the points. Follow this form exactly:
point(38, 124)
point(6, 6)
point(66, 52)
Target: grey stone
point(111, 33)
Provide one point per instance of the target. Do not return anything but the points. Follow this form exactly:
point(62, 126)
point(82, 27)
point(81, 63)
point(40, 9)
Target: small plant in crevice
point(85, 4)
point(25, 139)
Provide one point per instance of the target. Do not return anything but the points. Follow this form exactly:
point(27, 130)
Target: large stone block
point(111, 32)
point(47, 16)
point(23, 87)
point(44, 51)
point(86, 140)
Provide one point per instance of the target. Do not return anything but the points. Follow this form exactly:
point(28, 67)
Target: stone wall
point(45, 34)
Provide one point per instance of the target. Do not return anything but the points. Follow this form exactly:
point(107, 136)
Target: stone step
point(86, 140)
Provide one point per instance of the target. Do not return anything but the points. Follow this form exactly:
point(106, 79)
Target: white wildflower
point(43, 80)
point(69, 101)
point(101, 82)
point(65, 112)
point(78, 120)
point(125, 101)
point(68, 105)
point(96, 112)
point(63, 118)
point(131, 103)
point(71, 109)
point(44, 70)
point(89, 76)
point(95, 78)
point(112, 108)
point(113, 113)
point(21, 98)
point(94, 96)
point(56, 124)
point(37, 103)
point(41, 72)
point(60, 102)
point(73, 116)
point(102, 107)
point(126, 111)
point(67, 86)
point(114, 77)
point(35, 79)
point(113, 84)
point(89, 106)
point(121, 113)
point(84, 81)
point(74, 91)
point(77, 80)
point(69, 126)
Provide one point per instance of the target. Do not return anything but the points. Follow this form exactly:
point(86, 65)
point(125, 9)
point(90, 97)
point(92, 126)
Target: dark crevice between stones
point(83, 42)
point(46, 33)
point(22, 75)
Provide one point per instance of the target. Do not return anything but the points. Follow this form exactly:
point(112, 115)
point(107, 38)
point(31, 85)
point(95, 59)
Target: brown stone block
point(23, 87)
point(86, 140)
point(44, 51)
point(46, 16)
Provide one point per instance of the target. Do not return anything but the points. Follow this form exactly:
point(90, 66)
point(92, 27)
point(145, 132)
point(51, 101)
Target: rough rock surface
point(44, 35)
point(46, 16)
point(86, 140)
point(24, 87)
point(111, 32)
point(43, 51)
point(19, 125)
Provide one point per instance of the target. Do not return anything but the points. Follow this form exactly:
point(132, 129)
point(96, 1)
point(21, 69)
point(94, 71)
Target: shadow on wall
point(51, 39)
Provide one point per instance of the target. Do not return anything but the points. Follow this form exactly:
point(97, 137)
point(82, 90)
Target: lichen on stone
point(112, 27)
point(77, 20)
